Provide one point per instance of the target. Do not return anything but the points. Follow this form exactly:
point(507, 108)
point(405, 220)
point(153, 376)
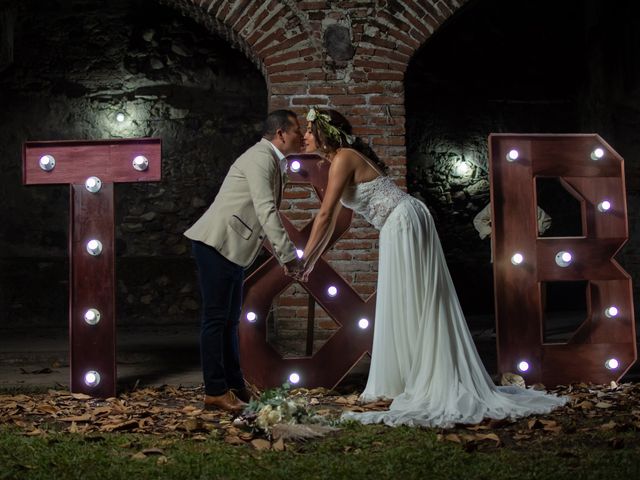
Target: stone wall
point(572, 72)
point(76, 66)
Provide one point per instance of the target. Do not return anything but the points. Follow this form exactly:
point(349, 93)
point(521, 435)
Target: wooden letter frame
point(519, 310)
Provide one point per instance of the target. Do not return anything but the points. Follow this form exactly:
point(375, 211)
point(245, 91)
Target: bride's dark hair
point(340, 137)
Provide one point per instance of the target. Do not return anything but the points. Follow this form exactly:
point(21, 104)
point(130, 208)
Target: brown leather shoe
point(243, 394)
point(227, 401)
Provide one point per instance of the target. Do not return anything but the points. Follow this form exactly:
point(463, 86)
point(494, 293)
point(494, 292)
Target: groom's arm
point(261, 178)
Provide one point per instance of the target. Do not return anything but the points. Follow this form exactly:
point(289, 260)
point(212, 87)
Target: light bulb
point(604, 206)
point(611, 311)
point(612, 364)
point(252, 317)
point(47, 163)
point(299, 253)
point(517, 259)
point(92, 316)
point(597, 154)
point(462, 168)
point(523, 366)
point(140, 163)
point(295, 166)
point(94, 247)
point(363, 323)
point(294, 378)
point(563, 259)
point(120, 117)
point(92, 378)
point(513, 155)
point(332, 291)
point(93, 184)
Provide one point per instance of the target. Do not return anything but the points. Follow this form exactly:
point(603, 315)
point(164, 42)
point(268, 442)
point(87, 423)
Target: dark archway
point(529, 66)
point(76, 65)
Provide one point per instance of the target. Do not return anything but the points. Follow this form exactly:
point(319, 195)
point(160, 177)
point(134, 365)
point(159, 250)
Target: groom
point(227, 238)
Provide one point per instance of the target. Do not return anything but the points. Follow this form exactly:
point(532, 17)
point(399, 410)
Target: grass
point(356, 452)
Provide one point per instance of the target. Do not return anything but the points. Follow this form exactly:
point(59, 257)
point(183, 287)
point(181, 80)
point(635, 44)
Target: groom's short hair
point(278, 119)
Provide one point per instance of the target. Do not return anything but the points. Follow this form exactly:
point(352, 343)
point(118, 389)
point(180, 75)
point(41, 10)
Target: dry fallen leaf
point(489, 436)
point(534, 423)
point(233, 440)
point(47, 409)
point(153, 451)
point(261, 444)
point(609, 425)
point(80, 418)
point(585, 405)
point(81, 396)
point(452, 437)
point(509, 378)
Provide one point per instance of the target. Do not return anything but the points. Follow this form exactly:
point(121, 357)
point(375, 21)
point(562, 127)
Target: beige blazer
point(246, 209)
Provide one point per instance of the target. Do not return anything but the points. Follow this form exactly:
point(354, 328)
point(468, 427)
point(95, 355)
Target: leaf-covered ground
point(611, 412)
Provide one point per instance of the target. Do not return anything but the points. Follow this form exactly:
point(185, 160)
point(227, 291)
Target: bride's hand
point(308, 268)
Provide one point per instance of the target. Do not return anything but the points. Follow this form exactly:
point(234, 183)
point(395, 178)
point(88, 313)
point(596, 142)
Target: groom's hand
point(294, 268)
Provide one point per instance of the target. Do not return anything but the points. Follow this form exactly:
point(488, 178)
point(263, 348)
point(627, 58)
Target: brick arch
point(284, 39)
point(269, 33)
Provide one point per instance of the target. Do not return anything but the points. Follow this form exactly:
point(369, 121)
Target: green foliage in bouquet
point(277, 406)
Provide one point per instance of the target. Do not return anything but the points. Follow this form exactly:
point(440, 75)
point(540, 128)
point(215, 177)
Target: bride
point(423, 355)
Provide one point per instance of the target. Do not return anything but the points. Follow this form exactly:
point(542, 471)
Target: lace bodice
point(374, 200)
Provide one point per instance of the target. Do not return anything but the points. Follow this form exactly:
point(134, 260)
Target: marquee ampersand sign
point(603, 348)
point(261, 363)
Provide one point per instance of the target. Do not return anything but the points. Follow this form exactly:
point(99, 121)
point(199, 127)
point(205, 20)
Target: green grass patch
point(357, 452)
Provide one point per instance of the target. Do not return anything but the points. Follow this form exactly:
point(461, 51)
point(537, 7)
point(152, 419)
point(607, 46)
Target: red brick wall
point(285, 41)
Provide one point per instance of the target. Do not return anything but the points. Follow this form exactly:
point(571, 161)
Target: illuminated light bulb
point(295, 166)
point(92, 378)
point(597, 154)
point(294, 378)
point(92, 316)
point(252, 317)
point(517, 259)
point(93, 184)
point(612, 364)
point(120, 117)
point(604, 206)
point(563, 259)
point(299, 253)
point(140, 163)
point(523, 366)
point(332, 291)
point(611, 311)
point(462, 168)
point(363, 323)
point(513, 155)
point(47, 163)
point(94, 247)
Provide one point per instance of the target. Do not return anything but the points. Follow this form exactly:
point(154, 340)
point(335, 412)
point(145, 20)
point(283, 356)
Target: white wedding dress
point(423, 355)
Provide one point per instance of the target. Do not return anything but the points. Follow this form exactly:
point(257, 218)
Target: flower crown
point(323, 120)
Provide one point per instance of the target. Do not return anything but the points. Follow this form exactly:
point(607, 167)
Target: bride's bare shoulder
point(348, 155)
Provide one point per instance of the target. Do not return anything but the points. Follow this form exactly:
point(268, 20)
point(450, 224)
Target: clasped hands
point(298, 269)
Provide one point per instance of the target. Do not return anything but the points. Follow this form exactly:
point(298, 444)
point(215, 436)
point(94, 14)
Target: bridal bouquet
point(279, 414)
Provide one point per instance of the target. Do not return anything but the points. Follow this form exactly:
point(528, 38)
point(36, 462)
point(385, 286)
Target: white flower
point(311, 116)
point(274, 417)
point(263, 417)
point(350, 139)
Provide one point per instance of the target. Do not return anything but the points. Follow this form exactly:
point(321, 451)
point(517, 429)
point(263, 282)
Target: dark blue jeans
point(221, 288)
